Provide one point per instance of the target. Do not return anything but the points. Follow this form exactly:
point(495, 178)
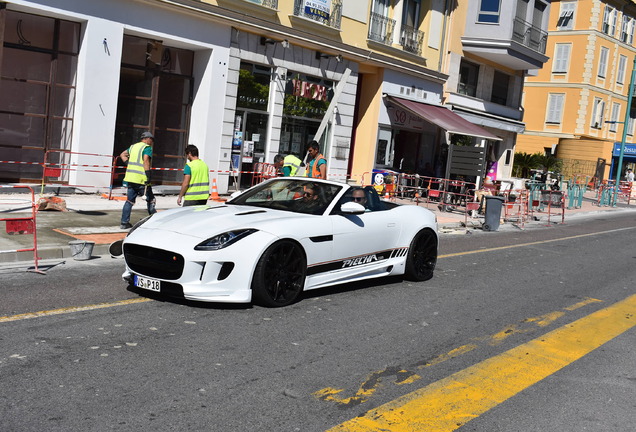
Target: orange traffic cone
point(215, 192)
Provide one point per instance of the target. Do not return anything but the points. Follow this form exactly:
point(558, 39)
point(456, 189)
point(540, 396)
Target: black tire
point(422, 257)
point(279, 276)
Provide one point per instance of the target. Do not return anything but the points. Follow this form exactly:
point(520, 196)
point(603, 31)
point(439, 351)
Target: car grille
point(153, 262)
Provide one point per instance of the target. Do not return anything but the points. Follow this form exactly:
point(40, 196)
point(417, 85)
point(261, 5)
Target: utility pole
point(619, 167)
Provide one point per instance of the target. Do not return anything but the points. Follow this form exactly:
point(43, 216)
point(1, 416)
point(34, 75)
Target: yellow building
point(575, 106)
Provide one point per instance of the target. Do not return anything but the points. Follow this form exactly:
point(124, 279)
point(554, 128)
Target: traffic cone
point(215, 192)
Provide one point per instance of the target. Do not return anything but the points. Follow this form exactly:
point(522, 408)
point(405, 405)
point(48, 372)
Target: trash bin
point(493, 212)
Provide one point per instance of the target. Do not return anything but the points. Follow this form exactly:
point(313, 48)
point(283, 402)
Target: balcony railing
point(272, 4)
point(330, 18)
point(381, 28)
point(411, 39)
point(531, 36)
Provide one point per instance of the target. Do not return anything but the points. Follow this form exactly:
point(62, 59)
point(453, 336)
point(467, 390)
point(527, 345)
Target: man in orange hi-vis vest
point(317, 167)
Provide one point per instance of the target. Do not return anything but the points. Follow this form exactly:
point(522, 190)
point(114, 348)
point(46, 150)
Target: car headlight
point(138, 224)
point(223, 240)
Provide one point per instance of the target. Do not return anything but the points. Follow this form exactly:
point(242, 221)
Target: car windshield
point(295, 195)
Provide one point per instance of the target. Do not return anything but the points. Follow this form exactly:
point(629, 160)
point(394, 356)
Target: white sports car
point(277, 239)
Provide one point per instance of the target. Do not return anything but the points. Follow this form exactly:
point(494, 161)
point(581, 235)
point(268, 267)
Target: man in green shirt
point(195, 188)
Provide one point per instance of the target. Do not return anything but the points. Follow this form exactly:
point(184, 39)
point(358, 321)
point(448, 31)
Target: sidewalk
point(91, 217)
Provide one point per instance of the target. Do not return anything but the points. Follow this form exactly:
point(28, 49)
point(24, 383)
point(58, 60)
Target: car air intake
point(153, 262)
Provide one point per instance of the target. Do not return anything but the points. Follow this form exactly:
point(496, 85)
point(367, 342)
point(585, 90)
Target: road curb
point(48, 253)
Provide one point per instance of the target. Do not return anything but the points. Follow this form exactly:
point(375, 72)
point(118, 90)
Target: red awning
point(444, 118)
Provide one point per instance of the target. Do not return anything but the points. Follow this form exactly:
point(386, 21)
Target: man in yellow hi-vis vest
point(137, 177)
point(288, 165)
point(195, 189)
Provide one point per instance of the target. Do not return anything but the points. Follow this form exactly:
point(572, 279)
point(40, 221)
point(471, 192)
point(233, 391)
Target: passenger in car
point(359, 196)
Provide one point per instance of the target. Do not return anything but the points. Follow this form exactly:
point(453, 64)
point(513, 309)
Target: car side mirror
point(352, 208)
point(235, 194)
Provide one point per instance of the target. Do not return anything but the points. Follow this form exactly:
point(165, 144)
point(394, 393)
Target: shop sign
point(309, 90)
point(400, 117)
point(630, 150)
point(319, 8)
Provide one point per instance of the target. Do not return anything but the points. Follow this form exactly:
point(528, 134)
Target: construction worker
point(317, 167)
point(288, 165)
point(195, 188)
point(137, 178)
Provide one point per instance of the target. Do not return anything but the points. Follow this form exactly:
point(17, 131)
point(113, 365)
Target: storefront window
point(251, 121)
point(253, 89)
point(307, 96)
point(38, 78)
point(306, 101)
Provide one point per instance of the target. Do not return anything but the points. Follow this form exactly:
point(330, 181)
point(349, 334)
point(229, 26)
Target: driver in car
point(310, 200)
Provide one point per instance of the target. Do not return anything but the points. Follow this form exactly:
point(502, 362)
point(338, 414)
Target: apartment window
point(627, 30)
point(566, 18)
point(602, 62)
point(616, 109)
point(489, 11)
point(597, 113)
point(630, 126)
point(500, 85)
point(555, 108)
point(561, 58)
point(620, 74)
point(609, 20)
point(468, 76)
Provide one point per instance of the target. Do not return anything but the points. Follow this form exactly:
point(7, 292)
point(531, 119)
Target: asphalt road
point(81, 352)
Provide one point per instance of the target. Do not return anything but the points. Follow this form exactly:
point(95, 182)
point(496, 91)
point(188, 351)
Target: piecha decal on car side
point(354, 261)
point(359, 260)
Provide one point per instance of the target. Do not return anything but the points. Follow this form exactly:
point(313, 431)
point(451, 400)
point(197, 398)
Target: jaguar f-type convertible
point(277, 239)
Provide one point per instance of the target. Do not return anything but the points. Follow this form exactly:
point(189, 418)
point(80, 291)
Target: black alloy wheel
point(422, 257)
point(279, 276)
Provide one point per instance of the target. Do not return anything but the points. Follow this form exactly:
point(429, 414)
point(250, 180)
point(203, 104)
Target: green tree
point(524, 162)
point(550, 163)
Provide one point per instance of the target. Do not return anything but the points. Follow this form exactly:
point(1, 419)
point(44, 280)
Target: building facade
point(496, 44)
point(243, 80)
point(578, 101)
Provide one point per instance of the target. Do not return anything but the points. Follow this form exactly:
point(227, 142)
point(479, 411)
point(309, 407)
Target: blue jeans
point(135, 190)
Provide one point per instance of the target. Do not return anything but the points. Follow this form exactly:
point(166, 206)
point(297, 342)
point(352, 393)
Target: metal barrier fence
point(608, 194)
point(55, 169)
point(24, 225)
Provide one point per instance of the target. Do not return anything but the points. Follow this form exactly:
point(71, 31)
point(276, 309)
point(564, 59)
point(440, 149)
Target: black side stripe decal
point(357, 261)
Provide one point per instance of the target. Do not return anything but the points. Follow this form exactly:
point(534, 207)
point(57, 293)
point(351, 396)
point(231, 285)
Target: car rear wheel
point(279, 276)
point(422, 257)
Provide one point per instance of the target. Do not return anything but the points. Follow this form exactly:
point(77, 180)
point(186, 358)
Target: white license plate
point(146, 283)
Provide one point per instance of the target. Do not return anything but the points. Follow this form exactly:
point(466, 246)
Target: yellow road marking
point(369, 387)
point(531, 243)
point(67, 310)
point(451, 402)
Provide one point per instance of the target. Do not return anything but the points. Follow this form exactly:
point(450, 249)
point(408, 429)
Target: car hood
point(205, 221)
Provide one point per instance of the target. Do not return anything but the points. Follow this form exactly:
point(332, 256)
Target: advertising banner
point(320, 8)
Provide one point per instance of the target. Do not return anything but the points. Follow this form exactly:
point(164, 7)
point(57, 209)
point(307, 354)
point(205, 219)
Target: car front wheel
point(279, 276)
point(422, 257)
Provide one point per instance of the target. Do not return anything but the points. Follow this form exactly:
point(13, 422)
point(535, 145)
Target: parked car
point(274, 241)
